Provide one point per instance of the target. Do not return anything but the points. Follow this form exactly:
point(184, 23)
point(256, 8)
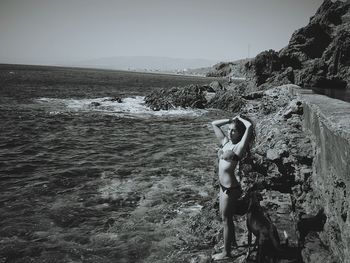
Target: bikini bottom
point(230, 189)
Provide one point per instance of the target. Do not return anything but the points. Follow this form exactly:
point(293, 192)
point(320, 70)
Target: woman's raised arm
point(217, 130)
point(242, 146)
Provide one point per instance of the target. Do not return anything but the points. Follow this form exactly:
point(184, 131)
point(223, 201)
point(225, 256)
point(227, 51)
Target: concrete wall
point(328, 120)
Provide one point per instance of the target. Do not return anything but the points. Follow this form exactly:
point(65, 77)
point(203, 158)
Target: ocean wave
point(131, 106)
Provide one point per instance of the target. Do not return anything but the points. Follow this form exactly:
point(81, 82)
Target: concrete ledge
point(328, 120)
point(333, 111)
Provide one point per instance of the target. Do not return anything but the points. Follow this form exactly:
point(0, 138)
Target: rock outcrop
point(233, 69)
point(321, 49)
point(263, 66)
point(317, 56)
point(213, 95)
point(226, 100)
point(319, 53)
point(189, 96)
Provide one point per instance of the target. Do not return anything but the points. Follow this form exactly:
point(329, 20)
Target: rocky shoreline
point(279, 164)
point(284, 159)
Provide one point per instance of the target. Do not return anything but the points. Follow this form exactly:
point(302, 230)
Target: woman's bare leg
point(226, 216)
point(227, 219)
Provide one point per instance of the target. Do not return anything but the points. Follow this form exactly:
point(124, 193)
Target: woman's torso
point(227, 163)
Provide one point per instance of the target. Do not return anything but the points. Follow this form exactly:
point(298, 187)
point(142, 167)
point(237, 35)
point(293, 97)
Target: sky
point(66, 31)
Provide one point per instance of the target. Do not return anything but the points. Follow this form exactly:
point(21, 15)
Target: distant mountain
point(145, 63)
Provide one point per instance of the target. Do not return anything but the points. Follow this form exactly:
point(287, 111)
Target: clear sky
point(59, 31)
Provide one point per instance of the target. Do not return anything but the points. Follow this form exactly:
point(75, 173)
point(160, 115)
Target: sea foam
point(130, 106)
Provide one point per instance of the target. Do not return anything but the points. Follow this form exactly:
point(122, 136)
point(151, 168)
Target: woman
point(232, 149)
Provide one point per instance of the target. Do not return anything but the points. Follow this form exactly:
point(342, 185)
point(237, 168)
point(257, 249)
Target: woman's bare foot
point(221, 256)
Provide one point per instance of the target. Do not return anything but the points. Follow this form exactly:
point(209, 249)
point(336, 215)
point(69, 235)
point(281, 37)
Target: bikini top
point(228, 155)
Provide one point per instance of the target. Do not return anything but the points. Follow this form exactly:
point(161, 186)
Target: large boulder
point(317, 56)
point(315, 74)
point(263, 66)
point(192, 96)
point(312, 40)
point(338, 57)
point(330, 13)
point(282, 78)
point(215, 86)
point(189, 96)
point(320, 52)
point(306, 43)
point(311, 73)
point(226, 100)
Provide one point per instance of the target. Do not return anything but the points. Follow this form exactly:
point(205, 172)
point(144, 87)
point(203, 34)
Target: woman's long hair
point(247, 157)
point(240, 128)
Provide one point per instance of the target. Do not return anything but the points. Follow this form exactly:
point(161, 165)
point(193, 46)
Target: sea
point(85, 178)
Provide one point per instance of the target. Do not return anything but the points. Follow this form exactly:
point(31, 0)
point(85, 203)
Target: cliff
point(317, 55)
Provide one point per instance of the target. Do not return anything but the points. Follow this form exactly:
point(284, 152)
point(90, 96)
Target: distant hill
point(235, 69)
point(145, 63)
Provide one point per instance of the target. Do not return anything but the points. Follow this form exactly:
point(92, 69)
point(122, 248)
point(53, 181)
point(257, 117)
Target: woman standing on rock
point(232, 149)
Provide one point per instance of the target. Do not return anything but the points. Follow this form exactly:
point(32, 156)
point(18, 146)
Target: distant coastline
point(58, 67)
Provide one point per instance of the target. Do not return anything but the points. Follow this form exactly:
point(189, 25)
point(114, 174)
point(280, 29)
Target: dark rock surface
point(306, 43)
point(280, 153)
point(318, 55)
point(279, 164)
point(226, 100)
point(213, 95)
point(116, 99)
point(338, 56)
point(215, 86)
point(314, 250)
point(95, 104)
point(232, 69)
point(189, 96)
point(263, 66)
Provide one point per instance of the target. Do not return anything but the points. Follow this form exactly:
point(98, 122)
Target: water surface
point(114, 182)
